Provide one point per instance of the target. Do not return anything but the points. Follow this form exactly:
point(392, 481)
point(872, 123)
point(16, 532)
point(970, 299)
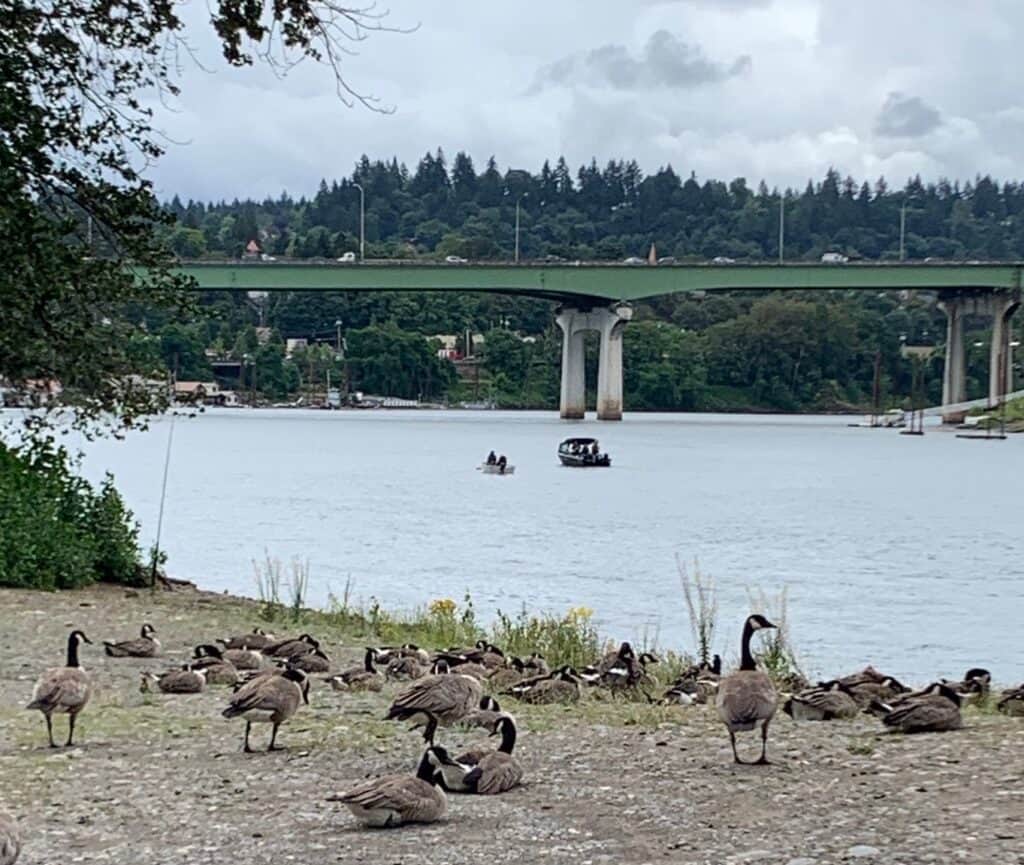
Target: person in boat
point(594, 449)
point(574, 448)
point(502, 462)
point(491, 458)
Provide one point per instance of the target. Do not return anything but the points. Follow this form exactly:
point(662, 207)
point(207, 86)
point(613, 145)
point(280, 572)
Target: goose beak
point(85, 639)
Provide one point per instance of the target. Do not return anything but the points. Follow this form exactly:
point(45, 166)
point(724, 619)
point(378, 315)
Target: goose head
point(148, 631)
point(978, 674)
point(894, 685)
point(716, 665)
point(942, 690)
point(489, 704)
point(649, 658)
point(300, 679)
point(78, 637)
point(757, 622)
point(626, 652)
point(207, 651)
point(440, 667)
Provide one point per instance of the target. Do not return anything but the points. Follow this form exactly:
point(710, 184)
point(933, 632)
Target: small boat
point(577, 452)
point(495, 469)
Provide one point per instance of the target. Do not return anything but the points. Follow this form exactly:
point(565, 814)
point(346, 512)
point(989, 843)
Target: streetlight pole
point(520, 198)
point(903, 229)
point(782, 225)
point(362, 220)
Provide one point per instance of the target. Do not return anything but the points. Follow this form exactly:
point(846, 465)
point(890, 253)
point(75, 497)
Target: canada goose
point(64, 690)
point(975, 684)
point(490, 772)
point(935, 709)
point(830, 700)
point(290, 646)
point(269, 699)
point(536, 664)
point(258, 639)
point(218, 670)
point(316, 661)
point(866, 689)
point(146, 646)
point(440, 698)
point(747, 697)
point(405, 669)
point(472, 668)
point(187, 680)
point(560, 686)
point(506, 677)
point(406, 650)
point(496, 723)
point(10, 840)
point(697, 684)
point(364, 677)
point(616, 668)
point(396, 799)
point(485, 716)
point(240, 659)
point(1011, 702)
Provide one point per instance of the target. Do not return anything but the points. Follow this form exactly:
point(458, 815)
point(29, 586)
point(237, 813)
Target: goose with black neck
point(747, 697)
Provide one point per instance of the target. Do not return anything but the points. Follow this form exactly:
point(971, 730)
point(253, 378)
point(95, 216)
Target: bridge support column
point(573, 404)
point(1000, 370)
point(609, 370)
point(954, 374)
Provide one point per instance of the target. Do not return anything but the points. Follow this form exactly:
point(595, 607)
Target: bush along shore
point(56, 530)
point(613, 777)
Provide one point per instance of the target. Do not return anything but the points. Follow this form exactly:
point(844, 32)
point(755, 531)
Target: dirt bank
point(160, 780)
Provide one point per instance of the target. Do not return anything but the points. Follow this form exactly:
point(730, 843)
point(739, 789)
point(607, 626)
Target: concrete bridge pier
point(609, 322)
point(954, 384)
point(1000, 369)
point(1000, 306)
point(573, 401)
point(609, 368)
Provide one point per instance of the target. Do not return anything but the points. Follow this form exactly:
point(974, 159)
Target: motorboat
point(579, 453)
point(497, 469)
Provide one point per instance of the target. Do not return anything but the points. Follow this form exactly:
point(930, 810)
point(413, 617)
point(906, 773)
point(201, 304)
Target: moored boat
point(496, 469)
point(582, 453)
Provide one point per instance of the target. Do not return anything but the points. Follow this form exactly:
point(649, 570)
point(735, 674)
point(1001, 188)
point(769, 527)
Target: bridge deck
point(605, 282)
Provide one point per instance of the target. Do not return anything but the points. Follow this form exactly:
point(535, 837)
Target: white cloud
point(813, 94)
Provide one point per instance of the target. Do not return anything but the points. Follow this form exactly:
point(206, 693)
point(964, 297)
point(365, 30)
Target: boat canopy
point(577, 441)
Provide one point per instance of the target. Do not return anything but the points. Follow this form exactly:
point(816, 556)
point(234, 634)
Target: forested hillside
point(737, 351)
point(607, 214)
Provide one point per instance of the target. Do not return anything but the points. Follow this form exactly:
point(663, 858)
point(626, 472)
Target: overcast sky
point(773, 89)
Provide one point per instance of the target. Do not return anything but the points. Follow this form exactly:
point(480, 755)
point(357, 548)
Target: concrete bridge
point(596, 296)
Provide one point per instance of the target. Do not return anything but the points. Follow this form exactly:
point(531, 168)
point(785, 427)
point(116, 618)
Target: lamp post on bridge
point(782, 225)
point(519, 199)
point(362, 220)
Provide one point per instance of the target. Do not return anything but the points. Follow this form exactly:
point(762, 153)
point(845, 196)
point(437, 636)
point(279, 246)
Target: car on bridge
point(455, 259)
point(834, 258)
point(347, 258)
point(634, 260)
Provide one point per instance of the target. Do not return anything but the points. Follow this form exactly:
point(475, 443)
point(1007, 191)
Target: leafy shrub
point(56, 531)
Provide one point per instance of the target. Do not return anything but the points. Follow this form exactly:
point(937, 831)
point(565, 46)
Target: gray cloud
point(664, 62)
point(906, 117)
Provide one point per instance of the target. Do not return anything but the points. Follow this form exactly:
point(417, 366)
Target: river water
point(896, 550)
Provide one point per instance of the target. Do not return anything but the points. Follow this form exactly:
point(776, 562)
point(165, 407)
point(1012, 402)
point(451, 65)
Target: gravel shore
point(162, 780)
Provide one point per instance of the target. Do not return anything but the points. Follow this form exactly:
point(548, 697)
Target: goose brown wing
point(60, 687)
point(261, 694)
point(438, 694)
point(745, 697)
point(403, 793)
point(496, 773)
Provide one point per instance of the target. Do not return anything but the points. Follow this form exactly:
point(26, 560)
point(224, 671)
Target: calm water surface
point(901, 551)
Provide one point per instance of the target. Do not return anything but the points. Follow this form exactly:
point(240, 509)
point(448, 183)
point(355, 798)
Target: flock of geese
point(271, 681)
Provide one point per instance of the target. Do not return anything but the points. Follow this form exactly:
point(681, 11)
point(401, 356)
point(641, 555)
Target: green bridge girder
point(604, 283)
